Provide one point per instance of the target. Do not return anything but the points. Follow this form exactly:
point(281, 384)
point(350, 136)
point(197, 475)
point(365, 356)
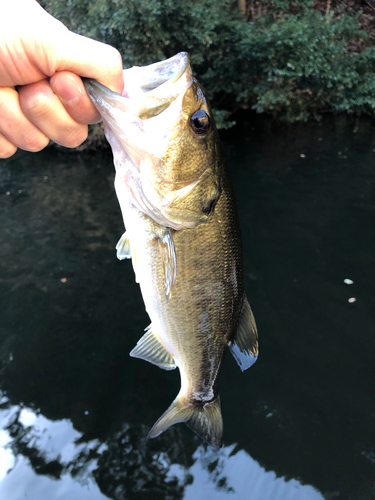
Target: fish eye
point(200, 122)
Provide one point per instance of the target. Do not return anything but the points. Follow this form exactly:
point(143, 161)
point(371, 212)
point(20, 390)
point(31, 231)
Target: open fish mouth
point(157, 85)
point(150, 77)
point(149, 89)
point(140, 126)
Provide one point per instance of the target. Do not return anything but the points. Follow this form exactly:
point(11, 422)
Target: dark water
point(75, 408)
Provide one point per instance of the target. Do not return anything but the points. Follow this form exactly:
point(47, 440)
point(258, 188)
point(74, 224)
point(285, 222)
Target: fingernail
point(68, 89)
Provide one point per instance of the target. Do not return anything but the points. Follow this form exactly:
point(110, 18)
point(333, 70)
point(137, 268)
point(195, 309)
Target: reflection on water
point(76, 408)
point(237, 475)
point(40, 458)
point(43, 459)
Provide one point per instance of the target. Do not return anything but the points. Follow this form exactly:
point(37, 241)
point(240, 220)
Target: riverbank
point(292, 60)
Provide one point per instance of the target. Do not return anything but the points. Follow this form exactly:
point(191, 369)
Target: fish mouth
point(150, 79)
point(139, 125)
point(148, 90)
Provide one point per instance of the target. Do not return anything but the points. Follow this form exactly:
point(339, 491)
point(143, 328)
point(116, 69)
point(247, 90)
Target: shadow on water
point(75, 409)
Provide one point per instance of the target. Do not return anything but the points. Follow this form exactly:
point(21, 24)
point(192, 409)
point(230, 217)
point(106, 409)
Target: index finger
point(92, 59)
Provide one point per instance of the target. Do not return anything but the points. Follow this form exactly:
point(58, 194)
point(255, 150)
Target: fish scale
point(183, 236)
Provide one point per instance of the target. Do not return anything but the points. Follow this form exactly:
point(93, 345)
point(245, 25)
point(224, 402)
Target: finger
point(43, 108)
point(7, 149)
point(92, 59)
point(15, 126)
point(71, 92)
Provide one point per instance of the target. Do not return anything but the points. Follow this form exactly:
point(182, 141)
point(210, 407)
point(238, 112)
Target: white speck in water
point(10, 357)
point(86, 412)
point(269, 415)
point(7, 193)
point(348, 281)
point(45, 177)
point(351, 300)
point(302, 155)
point(20, 190)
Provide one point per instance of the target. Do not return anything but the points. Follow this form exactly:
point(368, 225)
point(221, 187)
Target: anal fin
point(151, 349)
point(244, 345)
point(123, 247)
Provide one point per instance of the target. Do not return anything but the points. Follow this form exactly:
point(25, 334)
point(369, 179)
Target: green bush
point(292, 61)
point(298, 65)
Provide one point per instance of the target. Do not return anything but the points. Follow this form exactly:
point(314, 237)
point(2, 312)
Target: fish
point(181, 232)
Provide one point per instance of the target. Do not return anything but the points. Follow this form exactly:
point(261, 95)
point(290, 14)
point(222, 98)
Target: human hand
point(41, 95)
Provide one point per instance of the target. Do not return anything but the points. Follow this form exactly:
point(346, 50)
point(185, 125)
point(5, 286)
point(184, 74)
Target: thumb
point(91, 59)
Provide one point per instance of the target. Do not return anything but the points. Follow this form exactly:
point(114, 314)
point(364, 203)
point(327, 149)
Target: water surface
point(75, 409)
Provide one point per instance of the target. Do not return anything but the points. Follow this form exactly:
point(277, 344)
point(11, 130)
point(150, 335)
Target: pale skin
point(42, 98)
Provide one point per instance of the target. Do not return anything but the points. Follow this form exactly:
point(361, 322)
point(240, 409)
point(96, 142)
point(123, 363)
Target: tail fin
point(204, 419)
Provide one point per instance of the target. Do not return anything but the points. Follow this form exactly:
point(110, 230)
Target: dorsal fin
point(244, 345)
point(204, 419)
point(151, 349)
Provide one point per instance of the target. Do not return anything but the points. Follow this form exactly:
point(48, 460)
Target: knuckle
point(34, 102)
point(74, 137)
point(7, 149)
point(35, 143)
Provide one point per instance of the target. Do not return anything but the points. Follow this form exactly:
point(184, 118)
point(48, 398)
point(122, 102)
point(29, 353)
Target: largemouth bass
point(182, 233)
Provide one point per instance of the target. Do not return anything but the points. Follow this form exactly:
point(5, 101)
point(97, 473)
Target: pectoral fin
point(151, 349)
point(123, 248)
point(204, 419)
point(244, 345)
point(169, 260)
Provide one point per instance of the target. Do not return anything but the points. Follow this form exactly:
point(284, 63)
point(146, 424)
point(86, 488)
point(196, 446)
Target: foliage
point(299, 65)
point(286, 4)
point(289, 60)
